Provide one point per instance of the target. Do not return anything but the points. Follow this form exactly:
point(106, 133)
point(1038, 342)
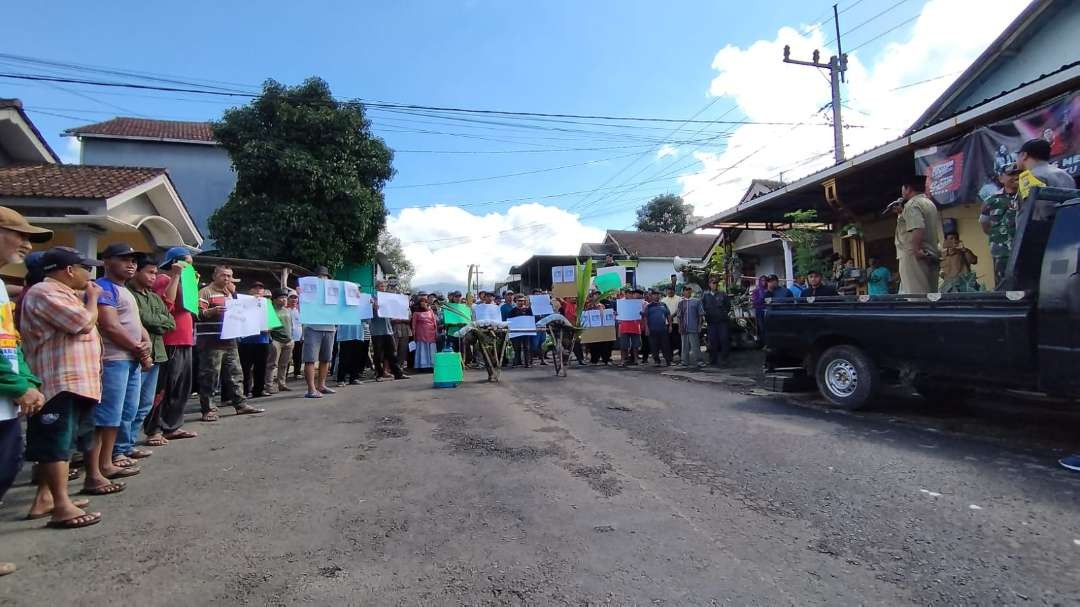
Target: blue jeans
point(121, 384)
point(146, 402)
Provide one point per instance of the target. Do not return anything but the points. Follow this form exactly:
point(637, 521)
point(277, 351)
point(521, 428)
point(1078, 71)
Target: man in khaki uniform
point(918, 237)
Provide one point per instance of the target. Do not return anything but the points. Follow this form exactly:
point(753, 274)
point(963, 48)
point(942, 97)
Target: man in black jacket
point(815, 288)
point(717, 307)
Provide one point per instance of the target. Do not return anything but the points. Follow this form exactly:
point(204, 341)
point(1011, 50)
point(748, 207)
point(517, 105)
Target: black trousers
point(522, 350)
point(386, 352)
point(297, 356)
point(660, 343)
point(174, 388)
point(352, 359)
point(601, 351)
point(719, 342)
point(675, 339)
point(11, 452)
point(253, 364)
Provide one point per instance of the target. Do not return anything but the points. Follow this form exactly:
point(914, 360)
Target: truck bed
point(961, 335)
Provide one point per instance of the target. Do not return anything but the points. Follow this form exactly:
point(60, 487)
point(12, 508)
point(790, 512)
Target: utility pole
point(837, 66)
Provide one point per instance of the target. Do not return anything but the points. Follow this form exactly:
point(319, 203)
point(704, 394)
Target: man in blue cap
point(166, 420)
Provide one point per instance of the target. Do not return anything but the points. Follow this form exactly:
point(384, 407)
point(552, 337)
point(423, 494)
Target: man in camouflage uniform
point(998, 220)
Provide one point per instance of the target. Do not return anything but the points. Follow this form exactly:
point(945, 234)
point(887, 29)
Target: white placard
point(569, 273)
point(309, 289)
point(393, 305)
point(628, 309)
point(521, 326)
point(556, 275)
point(487, 312)
point(244, 316)
point(593, 318)
point(620, 270)
point(332, 292)
point(364, 305)
point(609, 318)
point(352, 294)
point(541, 305)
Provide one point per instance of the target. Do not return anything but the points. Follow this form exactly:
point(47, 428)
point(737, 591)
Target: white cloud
point(946, 38)
point(667, 150)
point(72, 151)
point(442, 241)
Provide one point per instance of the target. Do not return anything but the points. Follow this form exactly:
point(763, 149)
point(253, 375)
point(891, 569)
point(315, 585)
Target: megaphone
point(680, 263)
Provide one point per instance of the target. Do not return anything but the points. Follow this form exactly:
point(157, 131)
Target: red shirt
point(184, 333)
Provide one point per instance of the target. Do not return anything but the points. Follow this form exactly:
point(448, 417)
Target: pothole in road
point(597, 477)
point(387, 432)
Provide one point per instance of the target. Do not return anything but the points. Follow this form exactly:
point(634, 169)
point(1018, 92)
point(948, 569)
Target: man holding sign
point(319, 346)
point(218, 358)
point(176, 284)
point(628, 313)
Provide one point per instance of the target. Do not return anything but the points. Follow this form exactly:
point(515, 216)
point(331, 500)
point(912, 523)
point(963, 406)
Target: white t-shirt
point(9, 353)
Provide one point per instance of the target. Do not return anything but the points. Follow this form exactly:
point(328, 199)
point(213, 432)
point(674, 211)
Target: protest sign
point(393, 305)
point(456, 313)
point(189, 289)
point(541, 305)
point(314, 309)
point(521, 326)
point(352, 294)
point(272, 320)
point(597, 335)
point(487, 312)
point(628, 309)
point(609, 318)
point(592, 318)
point(244, 315)
point(331, 292)
point(608, 282)
point(557, 275)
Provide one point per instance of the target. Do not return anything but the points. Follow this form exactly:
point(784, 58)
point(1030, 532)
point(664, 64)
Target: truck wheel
point(847, 377)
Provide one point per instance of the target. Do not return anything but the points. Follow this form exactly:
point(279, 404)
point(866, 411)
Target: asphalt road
point(609, 487)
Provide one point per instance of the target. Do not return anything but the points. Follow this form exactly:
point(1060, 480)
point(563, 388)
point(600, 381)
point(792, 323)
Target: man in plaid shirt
point(61, 341)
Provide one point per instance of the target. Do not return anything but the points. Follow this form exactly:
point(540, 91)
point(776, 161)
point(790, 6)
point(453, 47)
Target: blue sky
point(632, 58)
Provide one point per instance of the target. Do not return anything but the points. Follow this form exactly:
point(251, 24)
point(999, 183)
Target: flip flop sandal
point(313, 395)
point(123, 473)
point(104, 489)
point(210, 416)
point(74, 473)
point(78, 503)
point(157, 441)
point(123, 462)
point(85, 520)
point(248, 410)
point(138, 453)
point(181, 434)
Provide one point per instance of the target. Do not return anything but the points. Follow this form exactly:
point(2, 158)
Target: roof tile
point(662, 244)
point(71, 181)
point(142, 128)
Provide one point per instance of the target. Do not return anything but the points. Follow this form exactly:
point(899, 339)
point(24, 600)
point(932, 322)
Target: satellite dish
point(680, 263)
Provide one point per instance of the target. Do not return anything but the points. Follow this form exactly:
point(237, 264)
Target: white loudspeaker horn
point(680, 263)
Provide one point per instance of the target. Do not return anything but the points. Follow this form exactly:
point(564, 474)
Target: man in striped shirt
point(218, 357)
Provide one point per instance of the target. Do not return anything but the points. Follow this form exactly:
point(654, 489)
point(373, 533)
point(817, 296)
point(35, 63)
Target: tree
point(390, 246)
point(309, 179)
point(664, 213)
point(804, 242)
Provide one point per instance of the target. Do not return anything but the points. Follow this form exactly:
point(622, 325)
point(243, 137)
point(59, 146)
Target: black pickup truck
point(1025, 337)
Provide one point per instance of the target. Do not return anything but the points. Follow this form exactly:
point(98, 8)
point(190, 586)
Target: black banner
point(965, 170)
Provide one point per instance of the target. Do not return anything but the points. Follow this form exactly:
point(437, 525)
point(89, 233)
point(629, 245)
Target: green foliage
point(804, 242)
point(664, 213)
point(584, 278)
point(309, 179)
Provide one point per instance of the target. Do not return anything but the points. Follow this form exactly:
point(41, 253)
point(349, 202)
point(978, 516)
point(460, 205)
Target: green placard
point(189, 289)
point(456, 314)
point(608, 282)
point(272, 320)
